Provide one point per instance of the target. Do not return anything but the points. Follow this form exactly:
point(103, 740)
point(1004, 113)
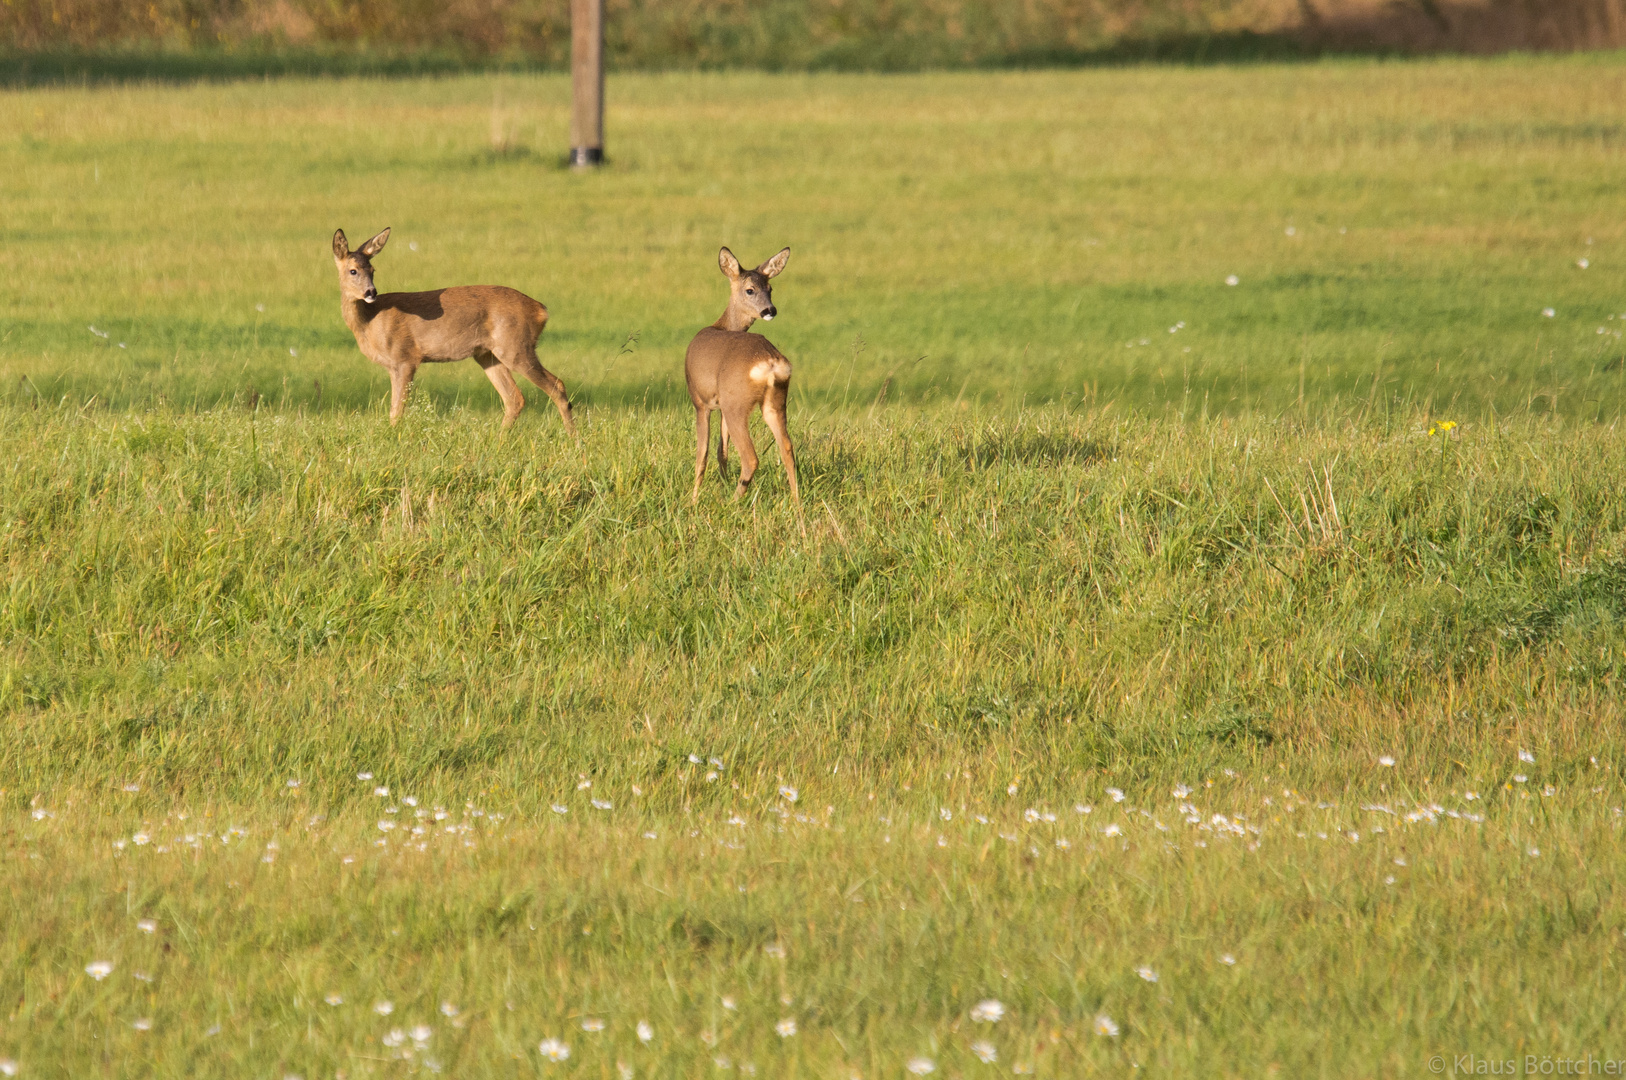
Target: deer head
point(750, 294)
point(356, 267)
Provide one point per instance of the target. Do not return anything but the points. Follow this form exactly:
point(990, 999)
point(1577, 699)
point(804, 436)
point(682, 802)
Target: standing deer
point(497, 326)
point(735, 371)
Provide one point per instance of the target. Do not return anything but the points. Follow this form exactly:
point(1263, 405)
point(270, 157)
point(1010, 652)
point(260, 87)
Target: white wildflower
point(989, 1011)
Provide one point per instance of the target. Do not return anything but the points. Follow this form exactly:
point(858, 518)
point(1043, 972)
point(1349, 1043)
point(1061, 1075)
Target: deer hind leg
point(702, 447)
point(739, 430)
point(512, 400)
point(722, 447)
point(524, 362)
point(773, 414)
point(400, 386)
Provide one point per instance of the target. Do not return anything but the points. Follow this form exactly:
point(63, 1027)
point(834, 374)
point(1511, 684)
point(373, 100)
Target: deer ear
point(341, 246)
point(772, 267)
point(728, 263)
point(375, 245)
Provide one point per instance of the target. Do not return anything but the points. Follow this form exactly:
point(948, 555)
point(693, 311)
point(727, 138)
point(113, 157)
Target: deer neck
point(357, 314)
point(735, 319)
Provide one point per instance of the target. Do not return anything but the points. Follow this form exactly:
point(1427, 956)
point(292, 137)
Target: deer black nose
point(769, 312)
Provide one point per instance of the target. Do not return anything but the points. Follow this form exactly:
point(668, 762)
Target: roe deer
point(734, 371)
point(497, 326)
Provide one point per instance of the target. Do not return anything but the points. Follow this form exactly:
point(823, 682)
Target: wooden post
point(586, 83)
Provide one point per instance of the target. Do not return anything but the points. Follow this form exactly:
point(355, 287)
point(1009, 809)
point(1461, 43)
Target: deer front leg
point(400, 385)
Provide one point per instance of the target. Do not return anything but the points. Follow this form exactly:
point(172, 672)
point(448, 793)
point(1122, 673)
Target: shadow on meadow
point(96, 42)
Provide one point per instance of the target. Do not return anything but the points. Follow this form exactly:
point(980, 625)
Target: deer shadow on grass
point(1034, 449)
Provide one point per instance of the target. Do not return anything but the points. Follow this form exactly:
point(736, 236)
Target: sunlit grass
point(994, 238)
point(1089, 660)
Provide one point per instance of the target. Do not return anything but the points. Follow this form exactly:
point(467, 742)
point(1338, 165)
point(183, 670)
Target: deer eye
point(750, 292)
point(352, 273)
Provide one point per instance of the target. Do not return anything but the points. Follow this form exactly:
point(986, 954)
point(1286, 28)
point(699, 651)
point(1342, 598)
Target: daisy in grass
point(989, 1011)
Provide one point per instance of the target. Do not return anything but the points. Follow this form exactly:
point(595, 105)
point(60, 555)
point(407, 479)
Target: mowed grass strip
point(1396, 231)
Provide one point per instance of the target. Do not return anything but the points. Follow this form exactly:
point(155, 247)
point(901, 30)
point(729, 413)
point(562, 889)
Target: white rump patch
point(769, 371)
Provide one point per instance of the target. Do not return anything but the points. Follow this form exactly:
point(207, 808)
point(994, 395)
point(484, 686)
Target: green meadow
point(1224, 679)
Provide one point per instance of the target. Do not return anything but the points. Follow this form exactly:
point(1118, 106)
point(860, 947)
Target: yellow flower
point(1442, 427)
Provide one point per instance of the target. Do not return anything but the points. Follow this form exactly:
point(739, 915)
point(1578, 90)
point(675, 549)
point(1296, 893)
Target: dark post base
point(586, 157)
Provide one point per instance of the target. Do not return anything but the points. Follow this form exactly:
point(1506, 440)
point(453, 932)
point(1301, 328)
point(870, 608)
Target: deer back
point(449, 324)
point(728, 364)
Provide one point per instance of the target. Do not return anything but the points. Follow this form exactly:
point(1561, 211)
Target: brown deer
point(734, 371)
point(497, 326)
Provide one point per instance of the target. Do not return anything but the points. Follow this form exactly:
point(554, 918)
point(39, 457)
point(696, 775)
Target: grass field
point(1219, 712)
